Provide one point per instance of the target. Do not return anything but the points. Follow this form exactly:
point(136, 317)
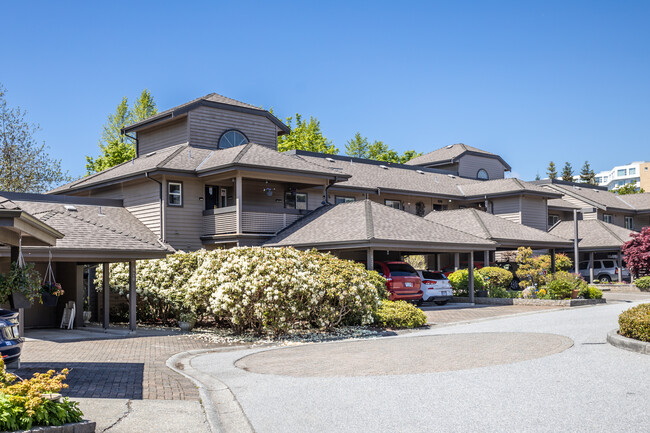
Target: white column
point(238, 202)
point(132, 296)
point(470, 268)
point(370, 259)
point(619, 263)
point(486, 258)
point(456, 261)
point(591, 267)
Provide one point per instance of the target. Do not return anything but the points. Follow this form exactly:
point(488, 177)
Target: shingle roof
point(7, 204)
point(561, 203)
point(493, 227)
point(503, 186)
point(191, 159)
point(366, 222)
point(593, 234)
point(639, 202)
point(595, 196)
point(449, 153)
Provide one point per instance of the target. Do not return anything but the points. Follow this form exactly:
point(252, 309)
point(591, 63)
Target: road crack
point(129, 410)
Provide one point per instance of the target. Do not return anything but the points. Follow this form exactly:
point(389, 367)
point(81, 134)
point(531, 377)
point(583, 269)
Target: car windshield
point(433, 275)
point(401, 270)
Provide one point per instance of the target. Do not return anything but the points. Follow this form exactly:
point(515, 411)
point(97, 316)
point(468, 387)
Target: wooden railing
point(254, 220)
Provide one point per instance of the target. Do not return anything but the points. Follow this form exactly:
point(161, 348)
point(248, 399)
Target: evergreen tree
point(587, 174)
point(305, 135)
point(551, 171)
point(24, 164)
point(537, 177)
point(567, 172)
point(357, 146)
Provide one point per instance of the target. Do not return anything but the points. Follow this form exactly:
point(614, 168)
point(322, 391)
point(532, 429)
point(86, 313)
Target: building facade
point(636, 173)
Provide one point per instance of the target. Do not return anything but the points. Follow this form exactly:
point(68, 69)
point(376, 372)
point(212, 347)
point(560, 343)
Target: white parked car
point(435, 287)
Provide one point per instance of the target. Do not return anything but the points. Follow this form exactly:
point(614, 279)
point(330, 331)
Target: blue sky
point(531, 81)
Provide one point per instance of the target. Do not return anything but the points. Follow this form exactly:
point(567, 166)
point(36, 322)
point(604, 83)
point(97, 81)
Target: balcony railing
point(254, 220)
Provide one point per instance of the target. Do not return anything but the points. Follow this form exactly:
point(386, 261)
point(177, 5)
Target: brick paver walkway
point(129, 368)
point(452, 314)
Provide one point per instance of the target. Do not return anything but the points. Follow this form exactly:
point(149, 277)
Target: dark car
point(10, 342)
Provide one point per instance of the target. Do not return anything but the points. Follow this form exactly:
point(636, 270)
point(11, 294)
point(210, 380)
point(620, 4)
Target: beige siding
point(207, 124)
point(141, 198)
point(184, 225)
point(508, 208)
point(469, 165)
point(168, 135)
point(641, 221)
point(534, 213)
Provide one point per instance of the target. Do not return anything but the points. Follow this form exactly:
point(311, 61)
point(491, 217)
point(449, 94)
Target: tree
point(359, 147)
point(305, 135)
point(116, 148)
point(537, 176)
point(637, 252)
point(567, 172)
point(587, 175)
point(551, 171)
point(24, 164)
point(628, 188)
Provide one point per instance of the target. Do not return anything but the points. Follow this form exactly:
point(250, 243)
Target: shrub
point(500, 292)
point(642, 283)
point(530, 271)
point(561, 284)
point(460, 282)
point(635, 322)
point(23, 406)
point(495, 277)
point(591, 292)
point(399, 314)
point(278, 289)
point(562, 262)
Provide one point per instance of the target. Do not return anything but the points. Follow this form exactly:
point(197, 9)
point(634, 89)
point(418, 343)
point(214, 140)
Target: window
point(174, 194)
point(340, 199)
point(583, 266)
point(232, 138)
point(440, 207)
point(295, 200)
point(419, 209)
point(482, 174)
point(631, 171)
point(401, 270)
point(607, 218)
point(552, 220)
point(608, 264)
point(629, 223)
point(621, 172)
point(433, 275)
point(395, 204)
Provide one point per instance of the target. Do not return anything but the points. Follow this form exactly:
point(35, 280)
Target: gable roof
point(365, 223)
point(487, 226)
point(210, 100)
point(196, 160)
point(593, 234)
point(449, 155)
point(594, 196)
point(640, 202)
point(17, 225)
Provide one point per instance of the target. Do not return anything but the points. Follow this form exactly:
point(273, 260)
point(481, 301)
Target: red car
point(402, 281)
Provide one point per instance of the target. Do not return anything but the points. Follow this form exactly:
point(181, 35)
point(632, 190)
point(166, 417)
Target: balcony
point(254, 220)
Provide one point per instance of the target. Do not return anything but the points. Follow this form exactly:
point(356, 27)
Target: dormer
point(212, 121)
point(467, 161)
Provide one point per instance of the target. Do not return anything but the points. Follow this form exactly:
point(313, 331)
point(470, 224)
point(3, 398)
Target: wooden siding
point(534, 213)
point(469, 165)
point(184, 225)
point(508, 208)
point(262, 222)
point(207, 124)
point(168, 135)
point(141, 198)
point(221, 223)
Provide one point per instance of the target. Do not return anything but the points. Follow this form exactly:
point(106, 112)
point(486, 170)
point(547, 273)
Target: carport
point(365, 230)
point(597, 239)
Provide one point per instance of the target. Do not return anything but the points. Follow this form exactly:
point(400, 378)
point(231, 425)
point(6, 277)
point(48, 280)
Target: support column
point(370, 259)
point(456, 261)
point(106, 293)
point(438, 267)
point(238, 202)
point(553, 261)
point(80, 296)
point(470, 268)
point(619, 263)
point(132, 296)
point(13, 252)
point(576, 252)
point(591, 268)
point(486, 258)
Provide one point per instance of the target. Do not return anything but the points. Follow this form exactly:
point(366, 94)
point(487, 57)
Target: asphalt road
point(589, 387)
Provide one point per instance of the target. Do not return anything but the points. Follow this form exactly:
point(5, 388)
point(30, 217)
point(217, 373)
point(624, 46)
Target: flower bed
point(531, 301)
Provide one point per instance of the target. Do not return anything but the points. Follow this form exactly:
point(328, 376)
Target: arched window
point(232, 138)
point(482, 174)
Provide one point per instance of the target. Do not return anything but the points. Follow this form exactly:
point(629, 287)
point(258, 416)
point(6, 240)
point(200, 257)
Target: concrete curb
point(617, 340)
point(223, 411)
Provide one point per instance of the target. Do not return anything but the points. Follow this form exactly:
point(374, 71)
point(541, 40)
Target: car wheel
point(441, 302)
point(605, 278)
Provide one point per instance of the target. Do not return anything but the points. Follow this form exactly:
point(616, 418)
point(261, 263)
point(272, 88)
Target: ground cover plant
point(635, 322)
point(643, 283)
point(24, 403)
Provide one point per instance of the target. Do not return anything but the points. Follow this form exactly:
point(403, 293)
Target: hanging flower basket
point(23, 284)
point(50, 293)
point(21, 301)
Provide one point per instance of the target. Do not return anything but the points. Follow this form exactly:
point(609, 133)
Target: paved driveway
point(589, 386)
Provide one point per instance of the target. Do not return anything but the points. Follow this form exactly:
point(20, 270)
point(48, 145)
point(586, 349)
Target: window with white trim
point(552, 220)
point(174, 194)
point(342, 199)
point(629, 223)
point(295, 200)
point(608, 218)
point(482, 174)
point(395, 204)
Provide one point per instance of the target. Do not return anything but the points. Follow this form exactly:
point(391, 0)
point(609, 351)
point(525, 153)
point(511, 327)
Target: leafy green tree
point(587, 174)
point(305, 135)
point(551, 171)
point(359, 147)
point(567, 172)
point(24, 164)
point(116, 148)
point(628, 188)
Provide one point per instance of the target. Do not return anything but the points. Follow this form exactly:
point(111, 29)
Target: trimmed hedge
point(642, 283)
point(495, 277)
point(399, 314)
point(459, 280)
point(635, 322)
point(591, 292)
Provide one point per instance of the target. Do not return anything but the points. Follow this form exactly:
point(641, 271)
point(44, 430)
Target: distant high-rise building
point(637, 173)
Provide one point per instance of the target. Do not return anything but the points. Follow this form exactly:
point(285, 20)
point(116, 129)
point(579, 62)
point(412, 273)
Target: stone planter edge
point(617, 340)
point(539, 302)
point(75, 427)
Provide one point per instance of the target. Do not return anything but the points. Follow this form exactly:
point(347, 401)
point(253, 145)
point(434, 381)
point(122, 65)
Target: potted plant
point(50, 292)
point(87, 314)
point(186, 321)
point(24, 285)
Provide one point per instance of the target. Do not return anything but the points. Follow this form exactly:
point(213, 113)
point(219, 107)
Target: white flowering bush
point(278, 289)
